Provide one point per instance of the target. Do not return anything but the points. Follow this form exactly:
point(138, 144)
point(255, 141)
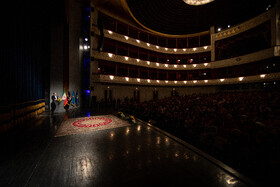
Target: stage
point(104, 150)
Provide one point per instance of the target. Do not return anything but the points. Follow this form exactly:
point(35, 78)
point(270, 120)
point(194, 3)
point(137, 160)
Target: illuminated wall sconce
point(184, 66)
point(205, 64)
point(194, 49)
point(126, 37)
point(148, 80)
point(157, 47)
point(157, 64)
point(148, 44)
point(148, 62)
point(157, 81)
point(194, 65)
point(166, 65)
point(138, 80)
point(205, 47)
point(262, 76)
point(175, 82)
point(138, 41)
point(111, 77)
point(110, 55)
point(166, 49)
point(185, 82)
point(126, 78)
point(166, 81)
point(138, 60)
point(126, 58)
point(241, 78)
point(110, 32)
point(175, 66)
point(175, 49)
point(205, 81)
point(195, 81)
point(222, 80)
point(184, 49)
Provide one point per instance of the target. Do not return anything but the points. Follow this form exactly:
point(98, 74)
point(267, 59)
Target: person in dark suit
point(53, 105)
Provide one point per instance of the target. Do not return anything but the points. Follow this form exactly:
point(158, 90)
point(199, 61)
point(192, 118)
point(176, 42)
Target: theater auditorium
point(140, 93)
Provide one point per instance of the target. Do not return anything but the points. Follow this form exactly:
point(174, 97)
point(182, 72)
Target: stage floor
point(104, 150)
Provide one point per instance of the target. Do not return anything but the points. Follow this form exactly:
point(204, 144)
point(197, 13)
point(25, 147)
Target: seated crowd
point(239, 128)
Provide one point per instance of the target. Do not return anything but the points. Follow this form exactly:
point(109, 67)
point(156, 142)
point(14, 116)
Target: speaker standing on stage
point(53, 105)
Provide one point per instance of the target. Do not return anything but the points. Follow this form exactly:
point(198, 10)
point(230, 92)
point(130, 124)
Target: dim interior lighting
point(194, 49)
point(110, 55)
point(166, 65)
point(262, 76)
point(185, 82)
point(88, 46)
point(126, 78)
point(205, 64)
point(195, 81)
point(85, 47)
point(228, 26)
point(157, 81)
point(219, 29)
point(148, 80)
point(166, 81)
point(81, 47)
point(185, 66)
point(166, 49)
point(241, 78)
point(108, 87)
point(138, 80)
point(175, 49)
point(175, 66)
point(157, 64)
point(222, 80)
point(110, 32)
point(184, 49)
point(197, 2)
point(126, 58)
point(194, 65)
point(138, 41)
point(157, 47)
point(126, 37)
point(205, 81)
point(111, 77)
point(148, 44)
point(138, 60)
point(175, 82)
point(136, 88)
point(86, 39)
point(148, 62)
point(205, 47)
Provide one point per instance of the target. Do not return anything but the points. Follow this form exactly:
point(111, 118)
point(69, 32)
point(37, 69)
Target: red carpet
point(88, 124)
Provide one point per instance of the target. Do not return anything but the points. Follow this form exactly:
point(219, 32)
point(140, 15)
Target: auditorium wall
point(145, 92)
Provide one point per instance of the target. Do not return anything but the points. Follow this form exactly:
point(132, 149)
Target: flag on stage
point(65, 101)
point(77, 98)
point(73, 97)
point(64, 95)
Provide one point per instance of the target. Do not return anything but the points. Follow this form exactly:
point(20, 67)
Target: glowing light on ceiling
point(197, 2)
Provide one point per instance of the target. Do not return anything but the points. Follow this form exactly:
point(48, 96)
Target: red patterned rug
point(87, 124)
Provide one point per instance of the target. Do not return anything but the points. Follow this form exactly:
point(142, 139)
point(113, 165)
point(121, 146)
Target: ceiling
point(174, 17)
